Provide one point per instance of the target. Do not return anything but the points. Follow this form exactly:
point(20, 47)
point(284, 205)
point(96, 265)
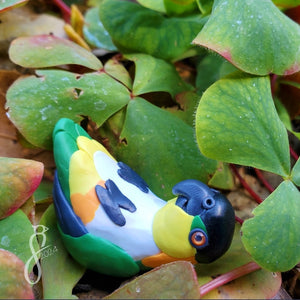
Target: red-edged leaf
point(19, 178)
point(43, 51)
point(9, 4)
point(13, 284)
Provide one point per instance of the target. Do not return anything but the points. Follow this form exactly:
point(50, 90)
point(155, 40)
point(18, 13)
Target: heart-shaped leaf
point(161, 148)
point(19, 179)
point(272, 236)
point(260, 284)
point(9, 4)
point(270, 37)
point(36, 103)
point(60, 272)
point(176, 280)
point(237, 122)
point(17, 236)
point(155, 75)
point(12, 282)
point(135, 28)
point(94, 31)
point(43, 51)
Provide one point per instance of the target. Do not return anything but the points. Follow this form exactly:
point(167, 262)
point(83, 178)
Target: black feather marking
point(126, 173)
point(112, 200)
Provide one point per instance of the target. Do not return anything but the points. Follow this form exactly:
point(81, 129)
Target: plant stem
point(294, 154)
point(64, 8)
point(239, 220)
point(264, 181)
point(245, 184)
point(225, 278)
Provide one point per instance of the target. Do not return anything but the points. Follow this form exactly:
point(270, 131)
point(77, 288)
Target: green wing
point(65, 135)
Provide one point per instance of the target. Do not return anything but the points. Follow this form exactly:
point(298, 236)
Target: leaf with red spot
point(41, 51)
point(257, 38)
point(19, 178)
point(13, 284)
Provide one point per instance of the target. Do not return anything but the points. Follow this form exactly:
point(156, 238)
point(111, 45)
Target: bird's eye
point(198, 238)
point(208, 203)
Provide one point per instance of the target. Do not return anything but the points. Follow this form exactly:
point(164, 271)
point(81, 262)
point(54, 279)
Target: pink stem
point(294, 154)
point(64, 8)
point(225, 278)
point(264, 181)
point(239, 220)
point(245, 184)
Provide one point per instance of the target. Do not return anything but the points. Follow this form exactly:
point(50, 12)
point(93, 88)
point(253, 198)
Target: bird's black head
point(215, 211)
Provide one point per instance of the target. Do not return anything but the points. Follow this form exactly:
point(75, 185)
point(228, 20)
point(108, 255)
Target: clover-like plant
point(241, 55)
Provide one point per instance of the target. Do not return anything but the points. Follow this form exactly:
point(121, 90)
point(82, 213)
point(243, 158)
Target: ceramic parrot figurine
point(112, 223)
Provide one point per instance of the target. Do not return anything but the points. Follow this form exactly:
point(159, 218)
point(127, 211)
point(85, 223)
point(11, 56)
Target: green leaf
point(15, 233)
point(44, 191)
point(236, 256)
point(155, 75)
point(12, 281)
point(205, 6)
point(19, 178)
point(270, 37)
point(116, 70)
point(94, 32)
point(211, 68)
point(223, 177)
point(43, 51)
point(157, 5)
point(176, 280)
point(286, 3)
point(60, 271)
point(36, 103)
point(253, 285)
point(161, 148)
point(272, 236)
point(9, 4)
point(188, 102)
point(236, 122)
point(296, 173)
point(285, 117)
point(134, 28)
point(180, 7)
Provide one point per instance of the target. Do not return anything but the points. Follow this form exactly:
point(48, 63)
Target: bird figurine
point(112, 223)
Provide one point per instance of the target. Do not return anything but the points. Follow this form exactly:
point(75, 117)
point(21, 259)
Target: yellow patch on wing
point(83, 174)
point(163, 258)
point(91, 146)
point(84, 177)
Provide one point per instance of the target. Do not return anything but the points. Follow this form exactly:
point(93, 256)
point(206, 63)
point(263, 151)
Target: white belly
point(135, 237)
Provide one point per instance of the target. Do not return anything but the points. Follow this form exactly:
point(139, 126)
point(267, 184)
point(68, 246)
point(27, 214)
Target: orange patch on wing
point(85, 206)
point(163, 258)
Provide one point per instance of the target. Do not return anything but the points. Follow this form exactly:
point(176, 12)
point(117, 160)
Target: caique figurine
point(112, 223)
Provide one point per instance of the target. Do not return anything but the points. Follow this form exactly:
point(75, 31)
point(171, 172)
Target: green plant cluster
point(145, 111)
